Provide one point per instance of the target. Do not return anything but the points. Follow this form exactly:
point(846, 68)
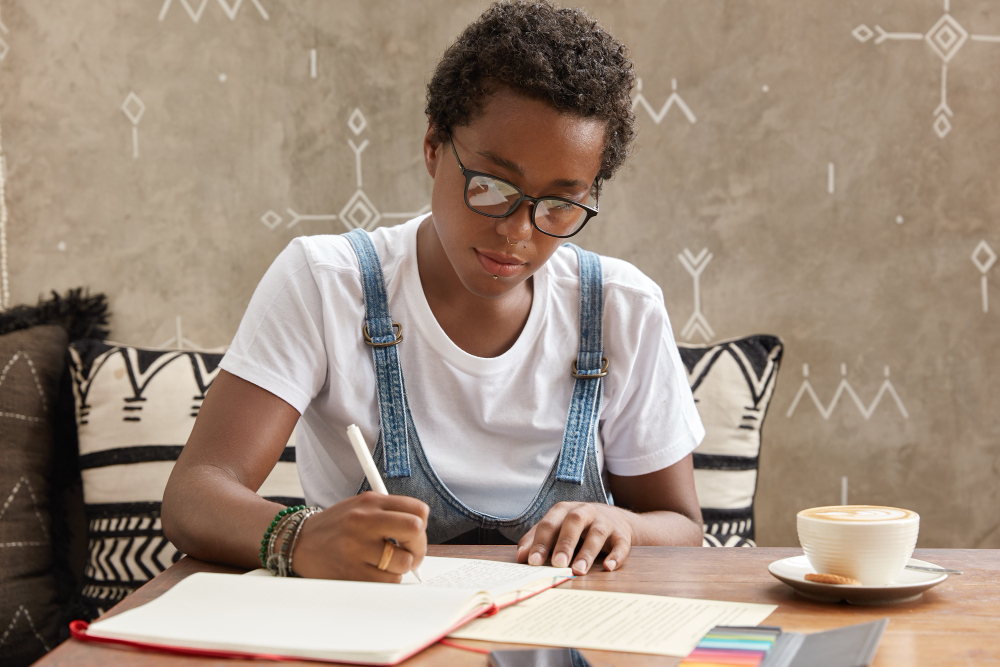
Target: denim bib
point(400, 457)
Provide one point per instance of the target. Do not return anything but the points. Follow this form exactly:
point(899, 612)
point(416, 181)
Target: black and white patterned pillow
point(732, 382)
point(135, 410)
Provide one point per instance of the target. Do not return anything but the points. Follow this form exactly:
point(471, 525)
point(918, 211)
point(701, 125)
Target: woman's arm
point(211, 509)
point(657, 509)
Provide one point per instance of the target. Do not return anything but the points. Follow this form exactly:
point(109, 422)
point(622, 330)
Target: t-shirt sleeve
point(651, 421)
point(279, 345)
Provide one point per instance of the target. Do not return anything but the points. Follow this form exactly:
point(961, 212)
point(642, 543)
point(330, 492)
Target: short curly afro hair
point(546, 52)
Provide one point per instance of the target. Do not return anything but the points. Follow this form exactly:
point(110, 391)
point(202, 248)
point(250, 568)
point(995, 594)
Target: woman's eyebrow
point(514, 167)
point(503, 162)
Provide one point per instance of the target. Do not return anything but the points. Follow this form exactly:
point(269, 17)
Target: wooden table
point(955, 623)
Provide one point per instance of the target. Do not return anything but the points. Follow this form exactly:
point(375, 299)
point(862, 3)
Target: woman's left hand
point(594, 526)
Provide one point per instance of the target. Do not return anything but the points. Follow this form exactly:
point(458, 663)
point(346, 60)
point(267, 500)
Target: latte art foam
point(858, 513)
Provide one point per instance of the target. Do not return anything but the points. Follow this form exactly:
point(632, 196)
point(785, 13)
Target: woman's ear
point(433, 149)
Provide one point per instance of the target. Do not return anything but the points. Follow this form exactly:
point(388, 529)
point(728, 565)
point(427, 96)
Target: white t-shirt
point(490, 427)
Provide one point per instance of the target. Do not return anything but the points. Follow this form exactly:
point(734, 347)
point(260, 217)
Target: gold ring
point(387, 551)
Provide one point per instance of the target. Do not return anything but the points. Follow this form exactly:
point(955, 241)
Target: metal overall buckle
point(586, 376)
point(398, 331)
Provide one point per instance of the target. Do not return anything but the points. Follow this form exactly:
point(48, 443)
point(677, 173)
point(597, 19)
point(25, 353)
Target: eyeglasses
point(496, 198)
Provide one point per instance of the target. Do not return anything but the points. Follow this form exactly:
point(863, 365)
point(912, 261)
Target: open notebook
point(344, 621)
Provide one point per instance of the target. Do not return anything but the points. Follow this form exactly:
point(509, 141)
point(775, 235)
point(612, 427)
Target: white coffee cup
point(869, 543)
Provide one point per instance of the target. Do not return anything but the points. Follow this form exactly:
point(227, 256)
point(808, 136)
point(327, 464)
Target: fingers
point(404, 504)
point(577, 521)
point(394, 558)
point(401, 519)
point(347, 540)
point(621, 545)
point(585, 529)
point(545, 533)
point(524, 544)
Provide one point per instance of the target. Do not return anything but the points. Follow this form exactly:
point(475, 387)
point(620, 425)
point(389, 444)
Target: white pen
point(371, 472)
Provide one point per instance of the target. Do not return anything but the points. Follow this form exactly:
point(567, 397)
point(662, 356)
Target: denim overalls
point(400, 458)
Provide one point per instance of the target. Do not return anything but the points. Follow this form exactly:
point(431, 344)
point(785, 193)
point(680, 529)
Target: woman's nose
point(517, 226)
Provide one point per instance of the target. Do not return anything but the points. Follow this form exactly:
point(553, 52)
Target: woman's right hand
point(346, 541)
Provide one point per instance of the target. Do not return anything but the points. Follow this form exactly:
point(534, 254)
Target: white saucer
point(910, 585)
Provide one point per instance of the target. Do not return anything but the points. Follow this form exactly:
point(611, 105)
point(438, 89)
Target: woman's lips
point(498, 264)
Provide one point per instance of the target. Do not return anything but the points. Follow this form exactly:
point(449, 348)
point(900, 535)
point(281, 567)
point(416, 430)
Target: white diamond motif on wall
point(984, 264)
point(862, 33)
point(357, 121)
point(360, 212)
point(947, 37)
point(133, 108)
point(271, 219)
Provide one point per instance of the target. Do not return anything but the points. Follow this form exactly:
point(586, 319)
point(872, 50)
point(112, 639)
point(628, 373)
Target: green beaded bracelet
point(270, 529)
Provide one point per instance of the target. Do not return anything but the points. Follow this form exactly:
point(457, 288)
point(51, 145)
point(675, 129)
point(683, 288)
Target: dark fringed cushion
point(42, 525)
point(79, 313)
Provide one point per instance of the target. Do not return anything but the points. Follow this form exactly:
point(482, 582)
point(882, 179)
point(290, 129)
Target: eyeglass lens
point(494, 197)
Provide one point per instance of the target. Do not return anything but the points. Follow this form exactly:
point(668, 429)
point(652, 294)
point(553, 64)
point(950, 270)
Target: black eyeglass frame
point(470, 174)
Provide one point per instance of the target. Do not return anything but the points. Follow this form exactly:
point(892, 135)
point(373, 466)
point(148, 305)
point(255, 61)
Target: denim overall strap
point(581, 427)
point(388, 374)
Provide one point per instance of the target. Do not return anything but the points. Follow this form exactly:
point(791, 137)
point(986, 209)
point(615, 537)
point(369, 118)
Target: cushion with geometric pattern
point(31, 364)
point(732, 382)
point(135, 411)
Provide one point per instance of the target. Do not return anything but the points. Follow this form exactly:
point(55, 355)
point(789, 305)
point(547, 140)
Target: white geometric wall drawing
point(674, 98)
point(695, 265)
point(38, 386)
point(180, 342)
point(133, 108)
point(845, 387)
point(831, 181)
point(945, 38)
point(984, 264)
point(230, 9)
point(359, 211)
point(312, 63)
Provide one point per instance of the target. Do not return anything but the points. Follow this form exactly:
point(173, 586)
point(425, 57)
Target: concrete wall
point(839, 162)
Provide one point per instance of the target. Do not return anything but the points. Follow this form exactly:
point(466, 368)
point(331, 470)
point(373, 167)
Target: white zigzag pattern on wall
point(13, 622)
point(231, 10)
point(845, 387)
point(674, 98)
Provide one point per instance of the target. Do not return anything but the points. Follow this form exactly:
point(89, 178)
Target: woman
point(532, 382)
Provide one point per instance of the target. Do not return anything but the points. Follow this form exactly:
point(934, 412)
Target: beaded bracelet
point(278, 519)
point(279, 560)
point(277, 556)
point(275, 563)
point(295, 536)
